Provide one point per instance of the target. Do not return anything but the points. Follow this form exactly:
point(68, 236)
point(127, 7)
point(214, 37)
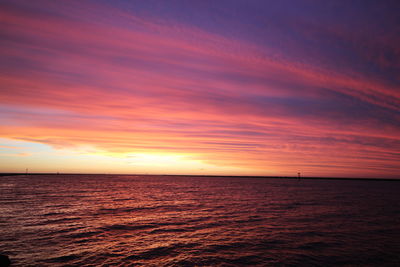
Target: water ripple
point(192, 221)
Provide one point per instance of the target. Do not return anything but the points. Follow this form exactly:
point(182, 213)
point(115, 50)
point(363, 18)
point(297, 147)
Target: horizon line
point(211, 175)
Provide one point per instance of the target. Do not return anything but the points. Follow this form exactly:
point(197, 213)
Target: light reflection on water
point(95, 220)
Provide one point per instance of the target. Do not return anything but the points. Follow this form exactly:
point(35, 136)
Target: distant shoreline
point(222, 176)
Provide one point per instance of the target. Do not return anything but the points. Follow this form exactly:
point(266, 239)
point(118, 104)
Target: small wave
point(65, 230)
point(249, 220)
point(209, 225)
point(118, 210)
point(153, 253)
point(83, 234)
point(227, 246)
point(247, 260)
point(63, 259)
point(172, 230)
point(185, 227)
point(162, 251)
point(314, 245)
point(271, 243)
point(204, 261)
point(52, 214)
point(121, 210)
point(307, 234)
point(110, 255)
point(128, 227)
point(55, 221)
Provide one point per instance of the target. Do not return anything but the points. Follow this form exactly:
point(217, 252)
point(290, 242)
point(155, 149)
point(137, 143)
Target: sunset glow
point(199, 87)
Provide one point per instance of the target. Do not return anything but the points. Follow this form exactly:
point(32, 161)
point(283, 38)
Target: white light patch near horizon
point(16, 153)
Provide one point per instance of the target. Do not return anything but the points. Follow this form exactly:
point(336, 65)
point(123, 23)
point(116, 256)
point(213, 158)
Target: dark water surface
point(100, 220)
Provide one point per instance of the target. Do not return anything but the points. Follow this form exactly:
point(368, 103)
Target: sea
point(144, 220)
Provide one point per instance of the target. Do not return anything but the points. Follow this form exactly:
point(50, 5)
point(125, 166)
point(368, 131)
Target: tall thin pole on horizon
point(26, 171)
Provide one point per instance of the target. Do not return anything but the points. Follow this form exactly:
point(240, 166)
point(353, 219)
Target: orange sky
point(128, 88)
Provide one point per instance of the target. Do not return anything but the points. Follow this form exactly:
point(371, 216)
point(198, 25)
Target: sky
point(220, 87)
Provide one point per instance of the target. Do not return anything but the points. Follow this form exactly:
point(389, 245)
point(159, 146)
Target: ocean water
point(111, 220)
